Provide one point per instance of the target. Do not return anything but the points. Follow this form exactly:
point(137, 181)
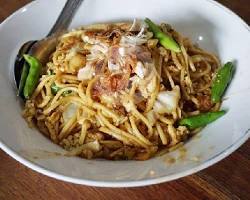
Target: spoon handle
point(65, 16)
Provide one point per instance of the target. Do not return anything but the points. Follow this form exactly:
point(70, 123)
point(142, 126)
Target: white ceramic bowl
point(213, 26)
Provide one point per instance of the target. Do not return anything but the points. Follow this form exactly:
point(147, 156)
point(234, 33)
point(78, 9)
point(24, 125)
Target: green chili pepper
point(54, 88)
point(24, 75)
point(221, 81)
point(35, 68)
point(65, 93)
point(165, 40)
point(201, 119)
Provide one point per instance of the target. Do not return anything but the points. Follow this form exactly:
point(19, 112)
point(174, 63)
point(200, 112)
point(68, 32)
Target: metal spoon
point(41, 49)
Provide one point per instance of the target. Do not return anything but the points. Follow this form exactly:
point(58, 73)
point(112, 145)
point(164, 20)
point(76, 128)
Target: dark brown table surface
point(228, 179)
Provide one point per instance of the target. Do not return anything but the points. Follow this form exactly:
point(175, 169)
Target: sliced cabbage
point(86, 73)
point(70, 111)
point(167, 101)
point(89, 40)
point(140, 70)
point(93, 146)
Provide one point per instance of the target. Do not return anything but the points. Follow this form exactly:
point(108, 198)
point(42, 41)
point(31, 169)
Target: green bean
point(165, 40)
point(201, 120)
point(221, 81)
point(31, 82)
point(55, 89)
point(24, 75)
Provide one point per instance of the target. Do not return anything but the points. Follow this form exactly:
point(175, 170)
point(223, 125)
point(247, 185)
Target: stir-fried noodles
point(112, 91)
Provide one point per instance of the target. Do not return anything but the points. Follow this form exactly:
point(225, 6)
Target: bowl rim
point(134, 183)
point(119, 184)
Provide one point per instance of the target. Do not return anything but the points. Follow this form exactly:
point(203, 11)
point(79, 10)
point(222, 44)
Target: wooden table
point(229, 179)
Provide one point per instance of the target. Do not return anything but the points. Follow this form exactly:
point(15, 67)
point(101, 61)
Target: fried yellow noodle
point(112, 91)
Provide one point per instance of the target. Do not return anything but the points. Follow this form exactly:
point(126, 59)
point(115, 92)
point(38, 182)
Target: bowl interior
point(213, 27)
